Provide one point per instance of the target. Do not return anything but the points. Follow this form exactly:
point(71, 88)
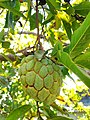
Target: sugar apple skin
point(41, 79)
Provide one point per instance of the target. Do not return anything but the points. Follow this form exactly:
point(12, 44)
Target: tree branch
point(13, 57)
point(10, 56)
point(27, 32)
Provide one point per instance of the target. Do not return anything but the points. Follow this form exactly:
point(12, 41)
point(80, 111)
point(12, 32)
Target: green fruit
point(40, 78)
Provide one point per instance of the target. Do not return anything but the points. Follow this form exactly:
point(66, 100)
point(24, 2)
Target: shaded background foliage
point(64, 28)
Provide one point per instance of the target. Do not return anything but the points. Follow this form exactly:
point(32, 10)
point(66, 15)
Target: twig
point(37, 26)
point(37, 20)
point(10, 56)
point(14, 57)
point(43, 32)
point(27, 32)
point(23, 51)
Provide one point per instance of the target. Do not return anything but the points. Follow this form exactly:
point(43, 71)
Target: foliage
point(59, 27)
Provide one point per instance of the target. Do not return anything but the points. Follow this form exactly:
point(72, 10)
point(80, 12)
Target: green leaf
point(29, 4)
point(6, 22)
point(67, 27)
point(60, 118)
point(57, 23)
point(54, 4)
point(33, 21)
point(64, 71)
point(4, 0)
point(16, 4)
point(1, 35)
point(2, 117)
point(9, 23)
point(10, 20)
point(75, 25)
point(65, 59)
point(18, 113)
point(83, 8)
point(70, 11)
point(48, 112)
point(58, 46)
point(5, 44)
point(49, 18)
point(81, 38)
point(3, 81)
point(83, 60)
point(12, 9)
point(59, 108)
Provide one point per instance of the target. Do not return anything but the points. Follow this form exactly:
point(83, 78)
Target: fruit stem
point(37, 23)
point(39, 45)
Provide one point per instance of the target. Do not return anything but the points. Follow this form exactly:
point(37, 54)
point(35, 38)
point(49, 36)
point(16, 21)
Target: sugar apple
point(40, 78)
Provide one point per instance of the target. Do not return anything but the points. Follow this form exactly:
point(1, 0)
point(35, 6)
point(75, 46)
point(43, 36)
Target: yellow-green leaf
point(65, 59)
point(18, 113)
point(81, 38)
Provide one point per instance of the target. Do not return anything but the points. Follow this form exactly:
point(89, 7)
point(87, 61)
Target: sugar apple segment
point(58, 91)
point(28, 58)
point(23, 79)
point(50, 62)
point(56, 67)
point(38, 82)
point(44, 61)
point(37, 66)
point(30, 77)
point(50, 69)
point(43, 71)
point(43, 94)
point(48, 81)
point(19, 71)
point(56, 76)
point(30, 65)
point(23, 61)
point(50, 99)
point(54, 89)
point(23, 69)
point(24, 89)
point(31, 91)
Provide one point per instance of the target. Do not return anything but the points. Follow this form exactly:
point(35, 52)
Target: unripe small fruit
point(41, 79)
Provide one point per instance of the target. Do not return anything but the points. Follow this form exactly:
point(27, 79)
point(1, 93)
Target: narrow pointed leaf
point(54, 3)
point(81, 38)
point(2, 117)
point(48, 112)
point(67, 28)
point(49, 18)
point(60, 118)
point(18, 113)
point(83, 8)
point(5, 44)
point(3, 81)
point(59, 108)
point(3, 0)
point(83, 60)
point(65, 59)
point(33, 21)
point(7, 6)
point(1, 35)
